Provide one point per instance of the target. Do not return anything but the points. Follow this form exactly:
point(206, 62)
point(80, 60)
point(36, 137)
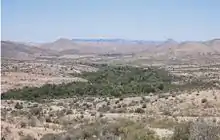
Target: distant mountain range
point(63, 46)
point(117, 41)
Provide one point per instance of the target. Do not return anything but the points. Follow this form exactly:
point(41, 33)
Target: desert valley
point(111, 89)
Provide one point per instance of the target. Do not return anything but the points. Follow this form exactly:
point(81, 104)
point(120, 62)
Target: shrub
point(181, 132)
point(23, 124)
point(167, 112)
point(51, 137)
point(60, 104)
point(18, 105)
point(116, 102)
point(28, 137)
point(93, 114)
point(162, 123)
point(139, 110)
point(101, 115)
point(36, 111)
point(104, 108)
point(69, 112)
point(33, 121)
point(48, 119)
point(161, 86)
point(35, 105)
point(204, 100)
point(144, 106)
point(124, 105)
point(120, 110)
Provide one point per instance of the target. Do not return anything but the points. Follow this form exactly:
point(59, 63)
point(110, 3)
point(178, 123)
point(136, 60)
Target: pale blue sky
point(47, 20)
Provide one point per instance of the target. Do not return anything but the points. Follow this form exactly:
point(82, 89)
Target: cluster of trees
point(108, 81)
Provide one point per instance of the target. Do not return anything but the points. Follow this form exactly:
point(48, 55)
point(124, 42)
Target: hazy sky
point(47, 20)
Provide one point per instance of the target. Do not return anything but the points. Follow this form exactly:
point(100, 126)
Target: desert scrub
point(36, 111)
point(23, 124)
point(162, 123)
point(33, 121)
point(19, 105)
point(120, 130)
point(181, 132)
point(28, 137)
point(139, 110)
point(204, 100)
point(104, 108)
point(199, 130)
point(205, 130)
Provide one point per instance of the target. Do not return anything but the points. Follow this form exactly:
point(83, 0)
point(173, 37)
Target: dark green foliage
point(108, 81)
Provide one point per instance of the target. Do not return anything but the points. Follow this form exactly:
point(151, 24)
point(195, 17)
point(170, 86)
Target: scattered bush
point(204, 130)
point(36, 111)
point(120, 110)
point(139, 110)
point(23, 124)
point(33, 122)
point(116, 102)
point(104, 108)
point(204, 100)
point(199, 130)
point(18, 105)
point(48, 119)
point(119, 130)
point(69, 112)
point(35, 105)
point(167, 112)
point(181, 132)
point(28, 137)
point(144, 106)
point(162, 123)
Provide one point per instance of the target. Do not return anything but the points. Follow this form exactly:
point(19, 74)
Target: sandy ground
point(11, 80)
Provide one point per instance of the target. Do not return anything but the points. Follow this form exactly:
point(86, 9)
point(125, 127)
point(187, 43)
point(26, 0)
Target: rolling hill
point(64, 46)
point(14, 50)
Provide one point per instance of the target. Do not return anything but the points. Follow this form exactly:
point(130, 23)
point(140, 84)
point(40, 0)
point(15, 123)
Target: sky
point(48, 20)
